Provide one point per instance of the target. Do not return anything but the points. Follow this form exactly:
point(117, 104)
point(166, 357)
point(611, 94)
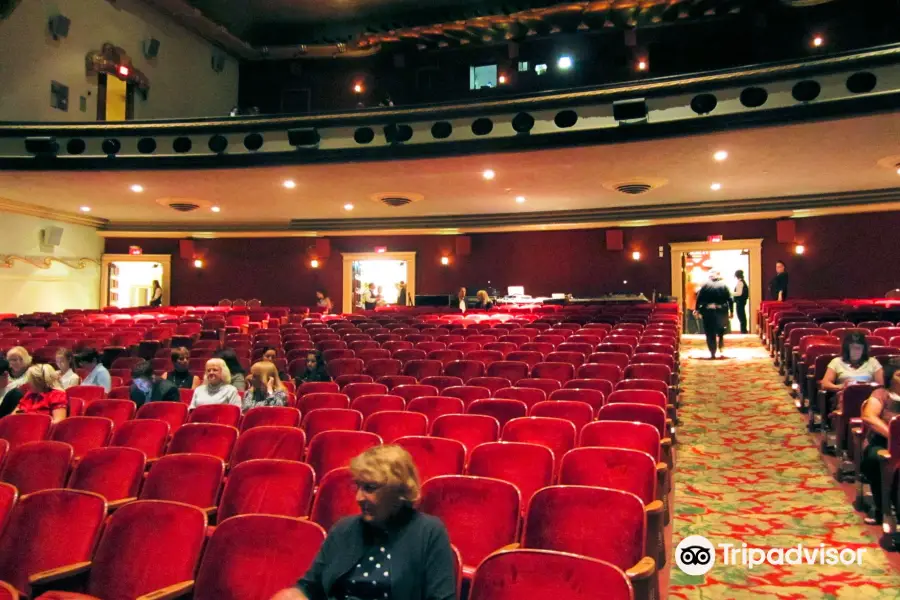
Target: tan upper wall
point(182, 82)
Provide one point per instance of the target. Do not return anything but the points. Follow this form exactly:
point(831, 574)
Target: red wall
point(847, 255)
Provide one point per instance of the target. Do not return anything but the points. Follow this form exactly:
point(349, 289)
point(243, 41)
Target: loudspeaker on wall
point(151, 48)
point(52, 236)
point(323, 248)
point(615, 239)
point(59, 26)
point(786, 231)
point(463, 245)
point(186, 249)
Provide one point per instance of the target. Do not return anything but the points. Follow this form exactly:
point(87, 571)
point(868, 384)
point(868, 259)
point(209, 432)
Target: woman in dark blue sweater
point(389, 551)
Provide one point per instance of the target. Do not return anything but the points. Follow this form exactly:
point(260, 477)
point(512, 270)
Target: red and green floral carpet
point(748, 472)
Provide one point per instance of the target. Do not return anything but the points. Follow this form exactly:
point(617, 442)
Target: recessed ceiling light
point(818, 41)
point(348, 206)
point(716, 187)
point(520, 199)
point(215, 209)
point(85, 209)
point(289, 184)
point(898, 170)
point(642, 65)
point(564, 62)
point(137, 188)
point(720, 155)
point(488, 174)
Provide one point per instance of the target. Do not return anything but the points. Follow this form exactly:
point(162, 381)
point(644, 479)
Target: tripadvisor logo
point(696, 555)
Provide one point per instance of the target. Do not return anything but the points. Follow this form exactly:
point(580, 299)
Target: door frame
point(347, 277)
point(163, 259)
point(754, 245)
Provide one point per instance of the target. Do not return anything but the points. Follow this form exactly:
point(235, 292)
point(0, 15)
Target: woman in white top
point(64, 361)
point(19, 361)
point(853, 365)
point(216, 388)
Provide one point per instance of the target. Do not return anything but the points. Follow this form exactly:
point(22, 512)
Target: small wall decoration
point(114, 61)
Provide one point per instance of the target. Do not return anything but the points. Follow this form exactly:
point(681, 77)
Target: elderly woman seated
point(390, 550)
point(216, 388)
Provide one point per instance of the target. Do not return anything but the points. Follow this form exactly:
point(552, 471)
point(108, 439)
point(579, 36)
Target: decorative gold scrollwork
point(7, 261)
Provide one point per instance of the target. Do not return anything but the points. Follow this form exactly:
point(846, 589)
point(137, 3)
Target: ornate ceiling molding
point(32, 210)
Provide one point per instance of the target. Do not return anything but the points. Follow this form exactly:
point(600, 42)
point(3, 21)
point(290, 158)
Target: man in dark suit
point(147, 388)
point(714, 304)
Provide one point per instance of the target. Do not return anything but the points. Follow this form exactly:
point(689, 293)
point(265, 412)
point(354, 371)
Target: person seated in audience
point(65, 359)
point(10, 400)
point(315, 369)
point(484, 301)
point(216, 388)
point(238, 379)
point(264, 387)
point(18, 361)
point(877, 412)
point(389, 550)
point(461, 299)
point(854, 365)
point(99, 375)
point(270, 354)
point(46, 395)
point(147, 388)
point(323, 301)
point(180, 375)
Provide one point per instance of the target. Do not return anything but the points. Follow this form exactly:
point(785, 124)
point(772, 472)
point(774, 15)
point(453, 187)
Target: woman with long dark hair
point(854, 365)
point(237, 372)
point(156, 295)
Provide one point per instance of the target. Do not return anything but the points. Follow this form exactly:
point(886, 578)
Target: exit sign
point(135, 250)
point(714, 238)
point(380, 249)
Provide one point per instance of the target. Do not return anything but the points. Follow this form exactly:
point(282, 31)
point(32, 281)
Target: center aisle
point(748, 472)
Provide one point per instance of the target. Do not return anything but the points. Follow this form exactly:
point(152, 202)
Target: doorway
point(692, 262)
point(127, 281)
point(387, 270)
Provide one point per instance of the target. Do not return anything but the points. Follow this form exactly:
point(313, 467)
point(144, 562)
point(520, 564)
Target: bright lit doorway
point(127, 281)
point(692, 262)
point(385, 269)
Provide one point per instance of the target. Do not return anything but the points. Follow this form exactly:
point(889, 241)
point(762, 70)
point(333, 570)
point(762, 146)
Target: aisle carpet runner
point(747, 472)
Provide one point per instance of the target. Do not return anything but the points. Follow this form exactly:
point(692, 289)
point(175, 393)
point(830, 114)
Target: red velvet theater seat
point(392, 424)
point(194, 479)
point(434, 456)
point(556, 434)
point(270, 486)
point(38, 466)
point(222, 414)
point(83, 433)
point(173, 413)
point(470, 430)
point(118, 411)
point(269, 441)
point(21, 428)
point(435, 406)
point(527, 466)
point(331, 450)
point(335, 498)
point(279, 416)
point(502, 409)
point(204, 438)
point(168, 535)
point(330, 419)
point(147, 435)
point(114, 473)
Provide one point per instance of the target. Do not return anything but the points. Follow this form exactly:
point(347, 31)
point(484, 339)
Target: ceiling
point(766, 162)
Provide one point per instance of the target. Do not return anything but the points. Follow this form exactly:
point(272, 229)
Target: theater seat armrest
point(654, 507)
point(64, 572)
point(111, 506)
point(644, 569)
point(857, 422)
point(173, 591)
point(514, 546)
point(211, 511)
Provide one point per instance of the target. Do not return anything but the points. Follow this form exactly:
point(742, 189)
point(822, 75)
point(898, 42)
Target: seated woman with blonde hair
point(216, 388)
point(19, 361)
point(46, 395)
point(390, 550)
point(264, 387)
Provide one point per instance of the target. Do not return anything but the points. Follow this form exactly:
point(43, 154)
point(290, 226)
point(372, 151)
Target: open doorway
point(127, 280)
point(692, 262)
point(392, 273)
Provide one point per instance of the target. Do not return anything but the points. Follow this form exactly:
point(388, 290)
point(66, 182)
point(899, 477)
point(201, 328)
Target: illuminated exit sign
point(135, 250)
point(380, 249)
point(714, 238)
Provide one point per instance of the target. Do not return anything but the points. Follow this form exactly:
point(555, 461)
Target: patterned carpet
point(748, 472)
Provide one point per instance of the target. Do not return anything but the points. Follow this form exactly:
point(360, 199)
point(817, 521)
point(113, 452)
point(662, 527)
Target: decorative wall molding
point(33, 210)
point(7, 261)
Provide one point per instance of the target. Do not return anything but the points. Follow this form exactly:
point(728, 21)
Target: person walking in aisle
point(778, 287)
point(714, 304)
point(741, 295)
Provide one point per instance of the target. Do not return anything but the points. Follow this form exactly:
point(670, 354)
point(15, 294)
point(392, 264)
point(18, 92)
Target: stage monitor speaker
point(463, 245)
point(786, 231)
point(51, 236)
point(59, 26)
point(186, 249)
point(615, 239)
point(323, 248)
point(630, 111)
point(151, 48)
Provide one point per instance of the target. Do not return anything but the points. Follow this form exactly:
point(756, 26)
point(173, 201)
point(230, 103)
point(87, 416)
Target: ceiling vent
point(634, 188)
point(184, 205)
point(395, 201)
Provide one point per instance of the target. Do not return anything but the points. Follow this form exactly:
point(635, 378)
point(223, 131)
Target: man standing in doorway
point(370, 297)
point(741, 295)
point(714, 304)
point(778, 288)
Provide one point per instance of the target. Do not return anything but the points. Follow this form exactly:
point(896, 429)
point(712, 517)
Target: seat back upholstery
point(194, 479)
point(335, 499)
point(115, 473)
point(270, 486)
point(270, 441)
point(38, 466)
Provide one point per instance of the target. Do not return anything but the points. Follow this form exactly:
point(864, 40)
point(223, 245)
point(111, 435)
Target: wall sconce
point(198, 263)
point(799, 249)
point(636, 255)
point(314, 263)
point(445, 260)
